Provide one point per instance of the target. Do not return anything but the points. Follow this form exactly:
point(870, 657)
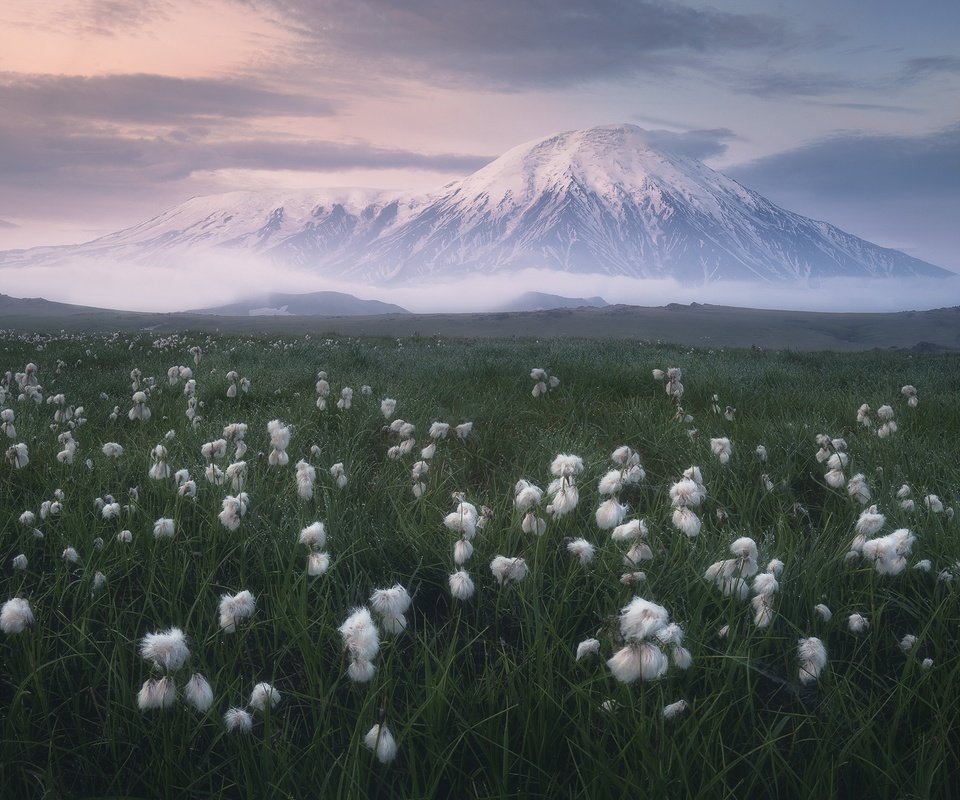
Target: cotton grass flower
point(314, 535)
point(140, 409)
point(17, 455)
point(910, 393)
point(159, 470)
point(462, 551)
point(323, 391)
point(610, 514)
point(687, 522)
point(19, 562)
point(346, 399)
point(564, 496)
point(728, 575)
point(722, 448)
point(907, 642)
point(387, 407)
point(306, 476)
point(674, 710)
point(279, 442)
point(263, 694)
point(461, 585)
point(812, 656)
point(235, 608)
point(463, 520)
point(70, 555)
point(16, 615)
point(381, 742)
point(233, 509)
point(167, 649)
point(588, 647)
point(238, 720)
point(857, 623)
point(362, 643)
point(640, 658)
point(112, 450)
point(858, 489)
point(6, 423)
point(198, 693)
point(391, 605)
point(317, 564)
point(889, 553)
point(439, 430)
point(157, 693)
point(339, 475)
point(508, 570)
point(164, 529)
point(582, 549)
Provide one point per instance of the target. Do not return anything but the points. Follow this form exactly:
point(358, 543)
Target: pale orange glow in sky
point(182, 40)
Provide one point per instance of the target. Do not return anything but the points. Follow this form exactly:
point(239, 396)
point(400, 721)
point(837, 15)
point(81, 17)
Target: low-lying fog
point(224, 279)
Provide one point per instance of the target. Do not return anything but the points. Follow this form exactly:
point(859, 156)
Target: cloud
point(108, 17)
point(885, 107)
point(7, 225)
point(148, 99)
point(697, 144)
point(507, 45)
point(96, 170)
point(214, 280)
point(915, 69)
point(859, 166)
point(899, 191)
point(794, 84)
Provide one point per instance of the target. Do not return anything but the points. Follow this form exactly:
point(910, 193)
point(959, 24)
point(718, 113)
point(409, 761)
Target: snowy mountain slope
point(600, 200)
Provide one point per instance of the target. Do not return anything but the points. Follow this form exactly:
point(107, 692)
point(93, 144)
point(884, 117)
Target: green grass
point(484, 698)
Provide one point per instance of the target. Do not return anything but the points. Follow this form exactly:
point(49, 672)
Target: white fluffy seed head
point(198, 693)
point(234, 608)
point(391, 602)
point(610, 514)
point(263, 694)
point(582, 549)
point(314, 535)
point(16, 615)
point(461, 585)
point(812, 656)
point(381, 742)
point(588, 647)
point(360, 637)
point(508, 570)
point(238, 720)
point(167, 649)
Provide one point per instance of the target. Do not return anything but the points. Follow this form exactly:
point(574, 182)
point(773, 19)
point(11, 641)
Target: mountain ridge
point(600, 200)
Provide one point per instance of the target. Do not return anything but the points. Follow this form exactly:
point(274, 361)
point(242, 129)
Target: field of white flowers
point(311, 567)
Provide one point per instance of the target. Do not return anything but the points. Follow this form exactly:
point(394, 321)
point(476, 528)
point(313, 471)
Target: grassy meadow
point(484, 696)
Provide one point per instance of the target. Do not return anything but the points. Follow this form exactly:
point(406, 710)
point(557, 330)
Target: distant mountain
point(538, 301)
point(319, 304)
point(602, 200)
point(38, 307)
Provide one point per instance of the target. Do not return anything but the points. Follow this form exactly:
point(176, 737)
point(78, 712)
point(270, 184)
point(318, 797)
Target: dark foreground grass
point(484, 697)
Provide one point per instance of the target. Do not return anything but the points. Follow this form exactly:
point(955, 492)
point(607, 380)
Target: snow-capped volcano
point(601, 200)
